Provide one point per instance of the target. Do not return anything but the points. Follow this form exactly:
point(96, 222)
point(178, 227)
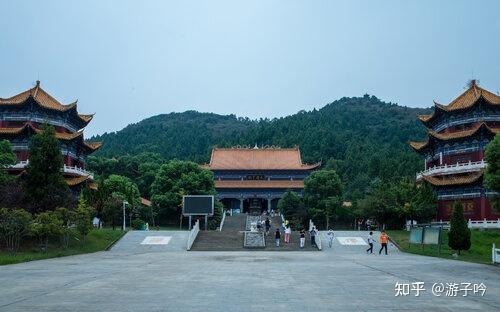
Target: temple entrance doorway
point(254, 205)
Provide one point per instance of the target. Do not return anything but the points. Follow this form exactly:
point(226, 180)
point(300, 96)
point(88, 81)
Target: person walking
point(277, 237)
point(302, 238)
point(288, 233)
point(330, 236)
point(370, 242)
point(268, 225)
point(384, 239)
point(313, 236)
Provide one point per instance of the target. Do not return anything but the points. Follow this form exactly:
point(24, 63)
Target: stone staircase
point(232, 236)
point(229, 239)
point(294, 238)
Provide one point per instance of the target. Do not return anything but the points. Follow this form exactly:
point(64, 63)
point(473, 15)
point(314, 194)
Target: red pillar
point(483, 207)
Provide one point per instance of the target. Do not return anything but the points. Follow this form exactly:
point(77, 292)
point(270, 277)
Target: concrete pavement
point(334, 280)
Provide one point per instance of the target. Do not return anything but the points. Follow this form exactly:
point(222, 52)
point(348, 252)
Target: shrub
point(138, 224)
point(46, 224)
point(14, 225)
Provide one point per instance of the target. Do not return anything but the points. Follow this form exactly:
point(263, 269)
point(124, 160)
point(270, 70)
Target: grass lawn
point(97, 240)
point(480, 251)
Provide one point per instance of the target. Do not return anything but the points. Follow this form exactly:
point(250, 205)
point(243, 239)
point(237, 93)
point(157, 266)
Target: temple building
point(454, 152)
point(22, 115)
point(252, 180)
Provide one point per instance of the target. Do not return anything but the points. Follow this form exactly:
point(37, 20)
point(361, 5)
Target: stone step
point(234, 223)
point(218, 241)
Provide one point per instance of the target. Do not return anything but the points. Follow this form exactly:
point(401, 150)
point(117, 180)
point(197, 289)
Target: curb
point(114, 242)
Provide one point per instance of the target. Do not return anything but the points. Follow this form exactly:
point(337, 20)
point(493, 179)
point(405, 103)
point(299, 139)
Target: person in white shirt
point(330, 236)
point(370, 242)
point(288, 233)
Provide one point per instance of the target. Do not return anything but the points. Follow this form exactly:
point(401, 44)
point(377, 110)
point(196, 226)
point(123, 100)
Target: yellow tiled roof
point(470, 97)
point(465, 100)
point(257, 158)
point(418, 145)
point(453, 135)
point(450, 180)
point(424, 118)
point(76, 180)
point(464, 133)
point(44, 100)
point(93, 145)
point(59, 135)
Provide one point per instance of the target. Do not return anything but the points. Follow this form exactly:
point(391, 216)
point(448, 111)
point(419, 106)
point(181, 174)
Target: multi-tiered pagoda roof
point(457, 135)
point(22, 116)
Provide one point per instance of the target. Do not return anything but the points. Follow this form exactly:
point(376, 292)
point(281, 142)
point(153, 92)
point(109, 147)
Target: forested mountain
point(363, 138)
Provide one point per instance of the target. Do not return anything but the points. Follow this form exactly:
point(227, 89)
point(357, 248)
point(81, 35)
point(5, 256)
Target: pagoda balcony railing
point(37, 118)
point(451, 169)
point(465, 120)
point(66, 169)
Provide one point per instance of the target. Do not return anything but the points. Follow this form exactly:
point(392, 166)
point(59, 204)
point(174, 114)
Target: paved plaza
point(140, 278)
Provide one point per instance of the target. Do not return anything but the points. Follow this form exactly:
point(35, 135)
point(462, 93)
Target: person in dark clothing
point(302, 238)
point(277, 237)
point(370, 242)
point(268, 225)
point(313, 236)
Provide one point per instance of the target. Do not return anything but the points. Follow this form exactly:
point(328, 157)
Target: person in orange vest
point(384, 239)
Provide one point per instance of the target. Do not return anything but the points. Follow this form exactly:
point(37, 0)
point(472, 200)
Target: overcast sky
point(128, 60)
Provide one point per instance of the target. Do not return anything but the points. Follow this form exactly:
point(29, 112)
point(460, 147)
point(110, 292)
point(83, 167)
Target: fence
point(318, 235)
point(484, 224)
point(222, 221)
point(480, 224)
point(192, 234)
point(495, 254)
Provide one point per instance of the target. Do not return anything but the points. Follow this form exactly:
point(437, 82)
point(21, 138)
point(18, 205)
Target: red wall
point(474, 208)
point(460, 158)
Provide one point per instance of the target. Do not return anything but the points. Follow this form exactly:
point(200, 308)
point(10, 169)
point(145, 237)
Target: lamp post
point(125, 203)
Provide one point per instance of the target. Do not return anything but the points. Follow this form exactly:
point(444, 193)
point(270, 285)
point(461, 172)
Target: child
point(288, 233)
point(302, 238)
point(313, 236)
point(330, 236)
point(277, 236)
point(370, 242)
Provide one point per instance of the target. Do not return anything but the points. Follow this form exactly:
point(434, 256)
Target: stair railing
point(192, 234)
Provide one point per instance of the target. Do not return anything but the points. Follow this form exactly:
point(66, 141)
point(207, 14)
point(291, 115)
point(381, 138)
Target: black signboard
point(198, 205)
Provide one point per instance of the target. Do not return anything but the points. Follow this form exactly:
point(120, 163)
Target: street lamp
point(125, 203)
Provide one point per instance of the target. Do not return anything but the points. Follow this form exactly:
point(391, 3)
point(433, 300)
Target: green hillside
point(363, 138)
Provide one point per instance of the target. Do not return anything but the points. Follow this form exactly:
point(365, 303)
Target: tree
point(459, 234)
point(492, 175)
point(292, 207)
point(68, 219)
point(424, 203)
point(44, 185)
point(123, 188)
point(214, 221)
point(175, 179)
point(83, 218)
point(45, 225)
point(379, 203)
point(323, 193)
point(14, 225)
point(7, 158)
point(112, 210)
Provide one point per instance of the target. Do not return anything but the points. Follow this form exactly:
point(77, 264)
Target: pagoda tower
point(454, 152)
point(22, 116)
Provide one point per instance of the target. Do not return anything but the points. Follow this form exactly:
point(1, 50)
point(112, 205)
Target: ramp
point(151, 241)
